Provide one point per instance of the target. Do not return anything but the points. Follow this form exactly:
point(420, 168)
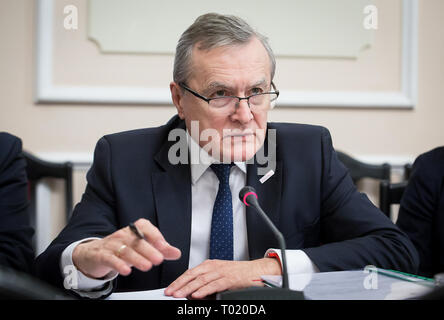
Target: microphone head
point(245, 193)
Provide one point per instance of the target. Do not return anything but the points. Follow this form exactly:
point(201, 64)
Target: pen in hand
point(136, 231)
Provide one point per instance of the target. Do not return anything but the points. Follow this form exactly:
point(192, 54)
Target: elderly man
point(192, 234)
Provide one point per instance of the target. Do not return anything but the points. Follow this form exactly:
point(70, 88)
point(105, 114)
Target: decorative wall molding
point(137, 31)
point(48, 92)
point(83, 160)
point(80, 160)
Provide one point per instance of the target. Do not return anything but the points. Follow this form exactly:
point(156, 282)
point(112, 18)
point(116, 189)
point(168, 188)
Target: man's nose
point(242, 112)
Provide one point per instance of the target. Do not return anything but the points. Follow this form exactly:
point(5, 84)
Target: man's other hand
point(213, 276)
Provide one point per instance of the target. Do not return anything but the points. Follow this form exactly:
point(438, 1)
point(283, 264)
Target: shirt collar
point(204, 160)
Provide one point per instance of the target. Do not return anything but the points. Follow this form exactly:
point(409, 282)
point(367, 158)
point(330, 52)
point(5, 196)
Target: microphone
point(249, 197)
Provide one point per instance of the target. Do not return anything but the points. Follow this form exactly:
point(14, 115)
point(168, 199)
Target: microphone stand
point(266, 293)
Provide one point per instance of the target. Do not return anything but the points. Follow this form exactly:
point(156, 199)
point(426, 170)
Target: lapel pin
point(266, 176)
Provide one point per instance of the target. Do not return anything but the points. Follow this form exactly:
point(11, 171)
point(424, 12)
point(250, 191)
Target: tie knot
point(222, 171)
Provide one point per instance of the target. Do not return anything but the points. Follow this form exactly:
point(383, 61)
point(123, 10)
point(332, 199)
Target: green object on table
point(406, 276)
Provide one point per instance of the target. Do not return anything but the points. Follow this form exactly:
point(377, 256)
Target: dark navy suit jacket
point(16, 249)
point(311, 199)
point(421, 214)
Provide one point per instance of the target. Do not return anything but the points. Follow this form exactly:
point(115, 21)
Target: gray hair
point(214, 30)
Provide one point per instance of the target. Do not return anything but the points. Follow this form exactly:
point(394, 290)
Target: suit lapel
point(172, 196)
point(260, 237)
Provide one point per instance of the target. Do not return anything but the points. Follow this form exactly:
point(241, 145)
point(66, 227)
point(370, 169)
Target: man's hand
point(213, 276)
point(122, 250)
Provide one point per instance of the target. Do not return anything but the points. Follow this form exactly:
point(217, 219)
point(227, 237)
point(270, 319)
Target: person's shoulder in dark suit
point(421, 213)
point(16, 249)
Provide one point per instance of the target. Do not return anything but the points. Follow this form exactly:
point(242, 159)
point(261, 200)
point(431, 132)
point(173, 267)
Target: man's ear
point(177, 96)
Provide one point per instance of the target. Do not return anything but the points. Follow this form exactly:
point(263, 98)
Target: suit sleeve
point(93, 217)
point(16, 249)
point(416, 213)
point(354, 232)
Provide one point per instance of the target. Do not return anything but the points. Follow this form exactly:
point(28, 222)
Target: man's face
point(226, 71)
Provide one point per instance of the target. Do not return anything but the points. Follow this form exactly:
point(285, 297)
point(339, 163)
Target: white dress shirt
point(204, 189)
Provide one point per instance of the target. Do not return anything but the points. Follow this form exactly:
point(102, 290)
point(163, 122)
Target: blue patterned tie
point(221, 240)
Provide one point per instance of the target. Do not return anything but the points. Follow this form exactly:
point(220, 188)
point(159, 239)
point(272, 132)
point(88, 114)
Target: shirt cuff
point(297, 260)
point(77, 281)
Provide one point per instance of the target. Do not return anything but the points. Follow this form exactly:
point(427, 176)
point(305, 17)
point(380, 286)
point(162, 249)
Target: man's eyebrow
point(215, 85)
point(219, 85)
point(260, 83)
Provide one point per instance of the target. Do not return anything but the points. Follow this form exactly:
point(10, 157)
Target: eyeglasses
point(227, 104)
